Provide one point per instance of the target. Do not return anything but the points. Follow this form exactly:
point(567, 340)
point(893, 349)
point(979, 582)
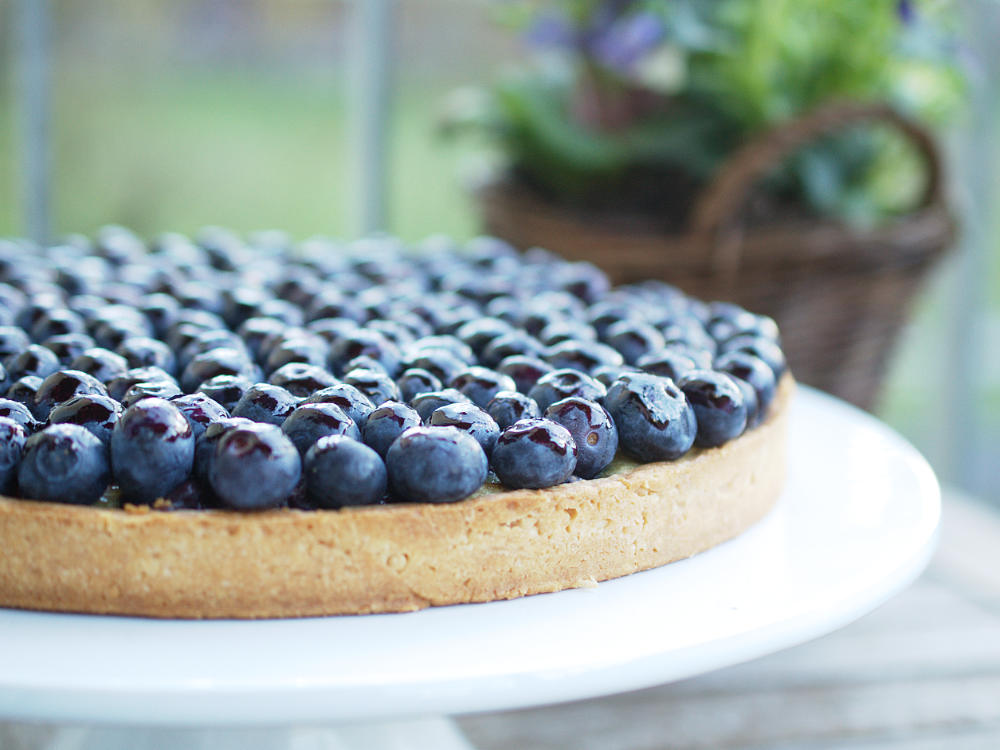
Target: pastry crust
point(391, 558)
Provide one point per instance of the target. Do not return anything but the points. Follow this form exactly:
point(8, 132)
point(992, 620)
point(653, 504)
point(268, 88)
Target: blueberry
point(508, 407)
point(143, 351)
point(468, 418)
point(165, 389)
point(365, 342)
point(152, 449)
point(534, 453)
point(426, 403)
point(415, 381)
point(23, 391)
point(13, 340)
point(188, 495)
point(377, 386)
point(56, 322)
point(254, 467)
point(718, 406)
point(608, 374)
point(566, 330)
point(668, 363)
point(593, 431)
point(204, 446)
point(102, 364)
point(200, 411)
point(264, 402)
point(560, 384)
point(340, 471)
point(584, 356)
point(479, 333)
point(95, 412)
point(480, 384)
point(435, 465)
point(220, 361)
point(516, 343)
point(310, 350)
point(654, 419)
point(524, 370)
point(633, 339)
point(461, 351)
point(62, 385)
point(301, 379)
point(354, 403)
point(441, 363)
point(13, 436)
point(18, 412)
point(118, 386)
point(386, 423)
point(254, 332)
point(64, 463)
point(761, 348)
point(68, 346)
point(227, 390)
point(753, 370)
point(310, 422)
point(32, 360)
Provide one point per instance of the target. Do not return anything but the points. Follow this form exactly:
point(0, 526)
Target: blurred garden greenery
point(620, 89)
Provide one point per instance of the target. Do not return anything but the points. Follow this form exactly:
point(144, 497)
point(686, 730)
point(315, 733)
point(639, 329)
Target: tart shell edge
point(391, 558)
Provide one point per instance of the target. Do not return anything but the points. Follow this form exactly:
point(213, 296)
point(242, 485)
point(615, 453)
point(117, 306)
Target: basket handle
point(715, 210)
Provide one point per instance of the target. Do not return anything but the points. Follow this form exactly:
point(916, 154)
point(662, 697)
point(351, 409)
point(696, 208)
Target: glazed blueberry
point(56, 322)
point(68, 346)
point(200, 411)
point(354, 403)
point(340, 471)
point(516, 343)
point(435, 465)
point(97, 413)
point(480, 384)
point(377, 386)
point(365, 363)
point(524, 370)
point(386, 423)
point(718, 406)
point(310, 422)
point(64, 463)
point(23, 391)
point(365, 342)
point(468, 418)
point(534, 453)
point(633, 339)
point(143, 351)
point(310, 350)
point(753, 370)
point(13, 340)
point(585, 356)
point(593, 431)
point(118, 386)
point(301, 379)
point(254, 332)
point(608, 374)
point(654, 419)
point(415, 381)
point(458, 349)
point(188, 495)
point(221, 361)
point(254, 467)
point(18, 412)
point(441, 363)
point(152, 449)
point(480, 333)
point(165, 389)
point(226, 389)
point(32, 360)
point(426, 403)
point(761, 348)
point(62, 385)
point(13, 436)
point(102, 364)
point(264, 402)
point(754, 414)
point(668, 363)
point(560, 384)
point(508, 407)
point(204, 446)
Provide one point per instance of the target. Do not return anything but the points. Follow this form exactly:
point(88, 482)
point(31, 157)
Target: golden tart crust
point(390, 558)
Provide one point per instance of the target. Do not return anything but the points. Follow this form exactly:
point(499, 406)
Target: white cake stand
point(856, 524)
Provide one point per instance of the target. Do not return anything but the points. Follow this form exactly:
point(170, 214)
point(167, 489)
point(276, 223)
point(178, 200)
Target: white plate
point(855, 525)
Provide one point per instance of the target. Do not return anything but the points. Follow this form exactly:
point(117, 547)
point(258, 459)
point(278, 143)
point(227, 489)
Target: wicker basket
point(840, 294)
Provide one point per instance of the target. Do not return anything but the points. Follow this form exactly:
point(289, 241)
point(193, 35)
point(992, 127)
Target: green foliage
point(696, 78)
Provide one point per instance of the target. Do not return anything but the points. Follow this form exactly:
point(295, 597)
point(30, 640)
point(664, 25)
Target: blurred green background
point(174, 115)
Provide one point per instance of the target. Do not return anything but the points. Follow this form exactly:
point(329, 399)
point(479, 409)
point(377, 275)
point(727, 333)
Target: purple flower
point(626, 41)
point(906, 12)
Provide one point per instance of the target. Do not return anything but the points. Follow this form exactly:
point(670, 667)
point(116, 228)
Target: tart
point(298, 558)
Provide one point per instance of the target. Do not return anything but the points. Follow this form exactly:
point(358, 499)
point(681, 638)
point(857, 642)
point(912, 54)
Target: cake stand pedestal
point(856, 524)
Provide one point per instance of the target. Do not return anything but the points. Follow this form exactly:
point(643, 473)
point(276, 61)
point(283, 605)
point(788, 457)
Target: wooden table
point(920, 673)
